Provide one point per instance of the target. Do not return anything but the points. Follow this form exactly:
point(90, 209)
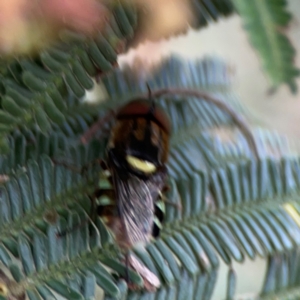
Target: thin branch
point(237, 119)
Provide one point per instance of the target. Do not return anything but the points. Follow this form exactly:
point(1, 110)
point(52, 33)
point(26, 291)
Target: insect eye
point(141, 165)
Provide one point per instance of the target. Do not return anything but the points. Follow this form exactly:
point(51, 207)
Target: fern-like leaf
point(34, 91)
point(265, 21)
point(232, 207)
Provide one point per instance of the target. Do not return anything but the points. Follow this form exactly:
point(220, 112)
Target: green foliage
point(34, 91)
point(282, 274)
point(265, 21)
point(233, 205)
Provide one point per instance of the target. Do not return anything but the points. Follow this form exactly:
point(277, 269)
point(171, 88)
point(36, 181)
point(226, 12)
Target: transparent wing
point(135, 202)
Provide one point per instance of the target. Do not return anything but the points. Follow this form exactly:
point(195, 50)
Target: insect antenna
point(149, 91)
point(152, 107)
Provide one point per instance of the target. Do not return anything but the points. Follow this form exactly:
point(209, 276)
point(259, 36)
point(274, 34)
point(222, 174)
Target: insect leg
point(63, 233)
point(67, 165)
point(94, 210)
point(90, 133)
point(127, 267)
point(97, 161)
point(167, 201)
point(92, 216)
point(83, 169)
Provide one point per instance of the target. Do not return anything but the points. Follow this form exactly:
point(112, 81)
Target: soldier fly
point(136, 157)
point(135, 166)
point(137, 153)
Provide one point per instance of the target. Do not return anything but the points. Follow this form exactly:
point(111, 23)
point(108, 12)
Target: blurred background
point(279, 111)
